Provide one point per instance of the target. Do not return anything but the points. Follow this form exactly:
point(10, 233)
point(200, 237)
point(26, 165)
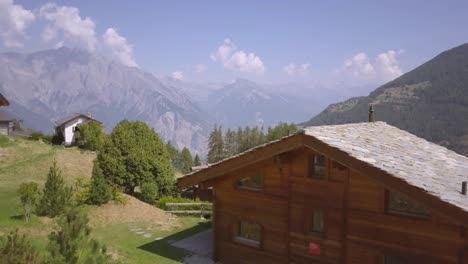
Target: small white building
point(5, 120)
point(6, 123)
point(67, 126)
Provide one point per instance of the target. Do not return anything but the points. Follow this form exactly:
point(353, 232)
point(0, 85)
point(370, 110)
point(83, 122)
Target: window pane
point(252, 183)
point(250, 231)
point(401, 204)
point(317, 166)
point(316, 222)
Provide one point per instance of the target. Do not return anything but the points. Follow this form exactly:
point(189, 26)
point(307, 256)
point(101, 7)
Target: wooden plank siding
point(357, 228)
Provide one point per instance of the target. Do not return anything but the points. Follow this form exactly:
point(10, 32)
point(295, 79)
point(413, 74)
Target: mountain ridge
point(430, 101)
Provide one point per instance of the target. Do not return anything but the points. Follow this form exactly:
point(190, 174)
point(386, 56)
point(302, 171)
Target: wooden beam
point(247, 158)
point(387, 179)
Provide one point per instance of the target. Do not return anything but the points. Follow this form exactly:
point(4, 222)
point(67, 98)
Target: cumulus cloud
point(293, 69)
point(65, 22)
point(237, 60)
point(178, 75)
point(384, 67)
point(200, 68)
point(14, 19)
point(119, 47)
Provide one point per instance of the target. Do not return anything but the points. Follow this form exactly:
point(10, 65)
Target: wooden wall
point(356, 230)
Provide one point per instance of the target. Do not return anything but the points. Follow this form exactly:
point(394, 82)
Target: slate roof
point(428, 166)
point(425, 165)
point(71, 117)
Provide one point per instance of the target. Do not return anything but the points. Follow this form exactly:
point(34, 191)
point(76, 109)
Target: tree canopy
point(233, 142)
point(135, 154)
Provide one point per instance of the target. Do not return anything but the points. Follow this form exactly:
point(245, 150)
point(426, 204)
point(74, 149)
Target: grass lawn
point(23, 161)
point(135, 248)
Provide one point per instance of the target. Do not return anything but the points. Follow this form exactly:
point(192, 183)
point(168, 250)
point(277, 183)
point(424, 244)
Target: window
point(398, 260)
point(248, 233)
point(401, 204)
point(316, 223)
point(250, 183)
point(317, 166)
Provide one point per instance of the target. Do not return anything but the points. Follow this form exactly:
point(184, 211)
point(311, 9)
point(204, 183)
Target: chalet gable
point(401, 161)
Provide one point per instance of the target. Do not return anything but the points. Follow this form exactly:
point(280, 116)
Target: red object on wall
point(314, 249)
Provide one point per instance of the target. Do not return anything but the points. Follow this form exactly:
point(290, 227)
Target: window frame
point(310, 223)
point(396, 212)
point(247, 188)
point(311, 167)
point(246, 241)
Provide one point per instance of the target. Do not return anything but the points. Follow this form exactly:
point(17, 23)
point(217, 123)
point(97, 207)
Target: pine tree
point(216, 145)
point(18, 250)
point(72, 243)
point(56, 195)
point(99, 192)
point(174, 155)
point(196, 161)
point(230, 143)
point(187, 160)
point(29, 194)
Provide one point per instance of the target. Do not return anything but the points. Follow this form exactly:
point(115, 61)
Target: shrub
point(149, 192)
point(18, 250)
point(29, 194)
point(56, 196)
point(161, 203)
point(36, 135)
point(81, 189)
point(90, 136)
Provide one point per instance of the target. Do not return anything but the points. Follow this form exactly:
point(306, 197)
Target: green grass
point(134, 248)
point(24, 160)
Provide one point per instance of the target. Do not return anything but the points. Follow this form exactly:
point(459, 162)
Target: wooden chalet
point(3, 101)
point(355, 193)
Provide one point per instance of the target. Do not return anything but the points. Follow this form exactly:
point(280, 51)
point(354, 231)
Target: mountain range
point(430, 101)
point(47, 85)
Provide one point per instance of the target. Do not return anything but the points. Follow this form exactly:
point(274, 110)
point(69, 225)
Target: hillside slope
point(430, 101)
point(47, 85)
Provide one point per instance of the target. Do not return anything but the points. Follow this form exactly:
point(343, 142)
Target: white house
point(67, 126)
point(5, 120)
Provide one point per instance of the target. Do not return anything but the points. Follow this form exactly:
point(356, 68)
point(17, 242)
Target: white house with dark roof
point(67, 126)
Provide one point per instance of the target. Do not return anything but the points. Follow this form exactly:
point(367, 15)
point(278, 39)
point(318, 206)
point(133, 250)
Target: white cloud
point(387, 65)
point(178, 75)
point(200, 68)
point(296, 69)
point(237, 60)
point(360, 68)
point(66, 21)
point(119, 47)
point(14, 20)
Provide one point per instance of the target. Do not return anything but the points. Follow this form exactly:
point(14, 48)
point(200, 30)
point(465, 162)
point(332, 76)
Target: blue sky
point(355, 42)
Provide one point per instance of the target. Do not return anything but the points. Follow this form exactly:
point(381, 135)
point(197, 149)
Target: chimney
point(464, 186)
point(371, 113)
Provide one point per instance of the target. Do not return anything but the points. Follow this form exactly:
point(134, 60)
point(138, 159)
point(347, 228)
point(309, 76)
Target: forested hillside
point(430, 101)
